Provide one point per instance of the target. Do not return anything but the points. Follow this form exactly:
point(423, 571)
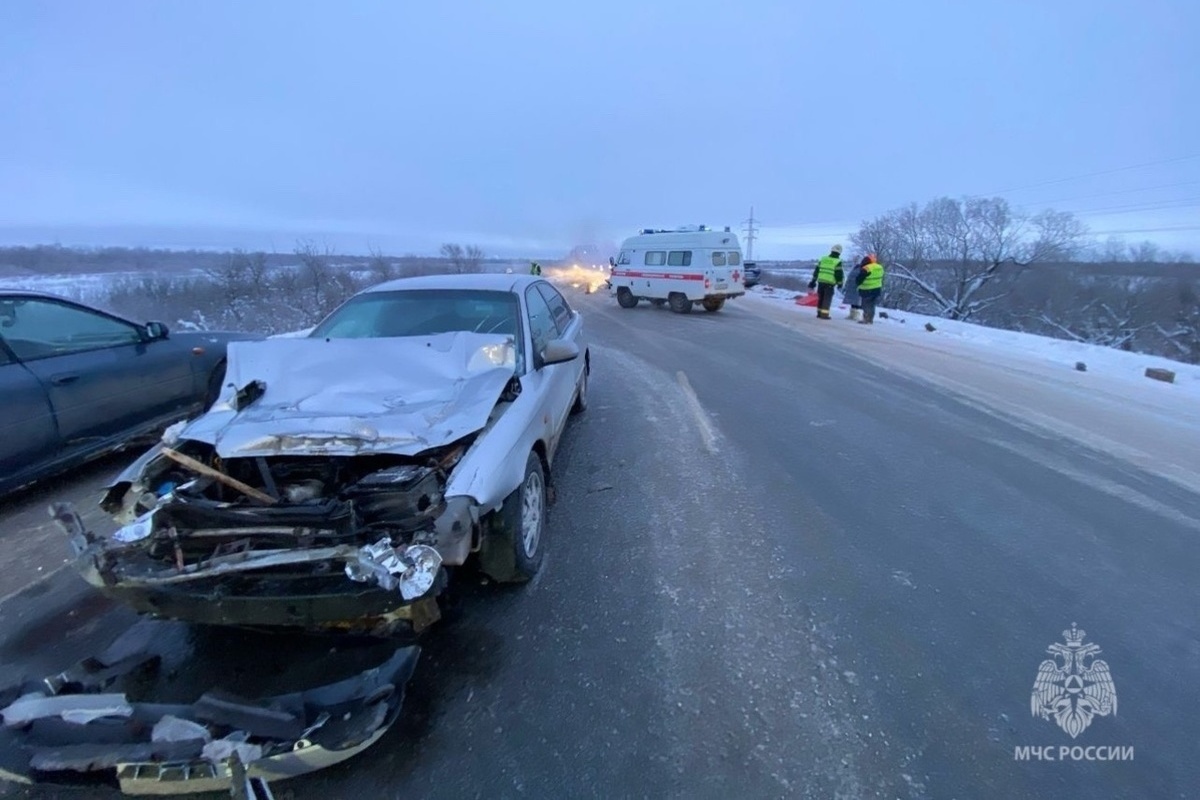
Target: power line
point(1091, 175)
point(1151, 230)
point(1110, 194)
point(1151, 205)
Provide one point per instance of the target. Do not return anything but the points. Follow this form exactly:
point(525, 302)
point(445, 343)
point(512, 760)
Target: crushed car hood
point(353, 396)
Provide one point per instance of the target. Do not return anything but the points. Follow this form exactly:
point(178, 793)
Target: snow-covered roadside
point(962, 337)
point(1031, 380)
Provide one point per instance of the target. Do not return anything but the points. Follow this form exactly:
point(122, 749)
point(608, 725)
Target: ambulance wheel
point(679, 303)
point(714, 303)
point(625, 298)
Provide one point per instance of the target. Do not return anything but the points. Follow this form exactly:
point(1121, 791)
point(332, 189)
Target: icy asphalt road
point(776, 570)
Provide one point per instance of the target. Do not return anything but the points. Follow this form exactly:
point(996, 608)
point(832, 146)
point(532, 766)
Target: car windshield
point(422, 312)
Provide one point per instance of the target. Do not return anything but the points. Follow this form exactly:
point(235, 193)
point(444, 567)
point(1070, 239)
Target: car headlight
point(494, 355)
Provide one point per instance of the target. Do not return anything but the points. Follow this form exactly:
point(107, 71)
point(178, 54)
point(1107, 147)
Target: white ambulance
point(679, 268)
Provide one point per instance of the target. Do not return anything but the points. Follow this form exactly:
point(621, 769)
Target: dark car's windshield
point(422, 312)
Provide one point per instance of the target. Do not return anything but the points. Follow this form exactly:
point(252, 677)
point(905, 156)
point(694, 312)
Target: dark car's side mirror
point(156, 330)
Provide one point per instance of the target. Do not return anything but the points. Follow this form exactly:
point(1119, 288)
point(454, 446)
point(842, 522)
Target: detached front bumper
point(116, 717)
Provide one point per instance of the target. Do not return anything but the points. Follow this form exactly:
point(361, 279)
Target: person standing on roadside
point(850, 293)
point(826, 275)
point(869, 278)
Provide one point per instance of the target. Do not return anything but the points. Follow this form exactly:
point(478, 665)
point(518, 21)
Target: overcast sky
point(527, 127)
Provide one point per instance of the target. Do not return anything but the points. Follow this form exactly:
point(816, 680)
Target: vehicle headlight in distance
point(494, 355)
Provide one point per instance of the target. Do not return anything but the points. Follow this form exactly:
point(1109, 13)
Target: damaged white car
point(339, 475)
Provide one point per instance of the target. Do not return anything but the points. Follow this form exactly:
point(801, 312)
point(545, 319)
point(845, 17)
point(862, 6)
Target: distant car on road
point(77, 382)
point(751, 274)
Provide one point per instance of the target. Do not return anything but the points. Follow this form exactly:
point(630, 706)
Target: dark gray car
point(751, 274)
point(77, 382)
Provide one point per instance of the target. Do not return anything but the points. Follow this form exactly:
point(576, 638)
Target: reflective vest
point(826, 269)
point(874, 279)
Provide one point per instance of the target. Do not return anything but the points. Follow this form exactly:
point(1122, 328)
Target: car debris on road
point(100, 721)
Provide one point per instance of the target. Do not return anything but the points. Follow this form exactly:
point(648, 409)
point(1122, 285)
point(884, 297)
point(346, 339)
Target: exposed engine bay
point(235, 533)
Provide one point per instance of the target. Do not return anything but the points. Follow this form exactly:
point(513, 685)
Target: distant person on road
point(869, 278)
point(850, 293)
point(826, 275)
point(535, 268)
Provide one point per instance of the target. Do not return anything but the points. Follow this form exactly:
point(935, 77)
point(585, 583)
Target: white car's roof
point(488, 281)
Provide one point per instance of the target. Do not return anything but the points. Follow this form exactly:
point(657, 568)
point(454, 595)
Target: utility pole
point(751, 235)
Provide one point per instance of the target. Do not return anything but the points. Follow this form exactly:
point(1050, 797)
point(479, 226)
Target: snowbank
point(995, 342)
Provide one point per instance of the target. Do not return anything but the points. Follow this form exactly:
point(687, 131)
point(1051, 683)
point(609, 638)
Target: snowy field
point(86, 287)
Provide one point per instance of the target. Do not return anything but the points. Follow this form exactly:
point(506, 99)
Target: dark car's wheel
point(679, 303)
point(512, 551)
point(713, 303)
point(581, 398)
point(625, 298)
point(215, 379)
point(659, 302)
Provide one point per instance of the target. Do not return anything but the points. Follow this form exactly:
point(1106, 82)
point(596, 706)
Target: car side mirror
point(156, 330)
point(612, 262)
point(559, 351)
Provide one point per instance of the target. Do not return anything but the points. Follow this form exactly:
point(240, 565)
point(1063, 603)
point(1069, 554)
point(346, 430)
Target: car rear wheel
point(679, 303)
point(714, 303)
point(625, 298)
point(513, 550)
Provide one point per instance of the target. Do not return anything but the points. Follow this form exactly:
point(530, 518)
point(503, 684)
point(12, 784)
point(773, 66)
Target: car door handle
point(63, 378)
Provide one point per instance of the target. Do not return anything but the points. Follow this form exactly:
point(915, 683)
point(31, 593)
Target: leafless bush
point(244, 292)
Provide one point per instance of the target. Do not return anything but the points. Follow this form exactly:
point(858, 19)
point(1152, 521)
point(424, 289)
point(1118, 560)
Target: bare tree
point(1145, 253)
point(453, 252)
point(474, 257)
point(463, 259)
point(948, 256)
point(379, 267)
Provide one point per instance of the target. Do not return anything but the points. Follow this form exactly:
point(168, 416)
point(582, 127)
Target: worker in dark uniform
point(827, 275)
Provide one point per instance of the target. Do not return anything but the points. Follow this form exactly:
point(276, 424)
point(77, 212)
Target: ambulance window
point(624, 259)
point(735, 258)
point(680, 258)
point(655, 258)
point(718, 259)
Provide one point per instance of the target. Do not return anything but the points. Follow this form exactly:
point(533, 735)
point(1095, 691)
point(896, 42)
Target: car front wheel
point(513, 550)
point(581, 398)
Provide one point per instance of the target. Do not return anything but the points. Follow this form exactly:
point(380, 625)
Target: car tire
point(581, 398)
point(513, 549)
point(625, 298)
point(679, 303)
point(713, 303)
point(215, 379)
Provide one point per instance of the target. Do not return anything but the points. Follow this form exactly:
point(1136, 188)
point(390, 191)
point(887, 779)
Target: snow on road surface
point(1031, 380)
